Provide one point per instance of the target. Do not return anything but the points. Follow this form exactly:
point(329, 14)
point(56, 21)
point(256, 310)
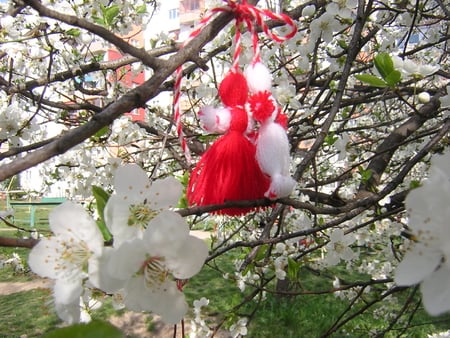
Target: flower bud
point(424, 97)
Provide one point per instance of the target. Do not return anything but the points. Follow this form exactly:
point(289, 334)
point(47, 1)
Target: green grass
point(23, 229)
point(305, 315)
point(209, 283)
point(312, 315)
point(26, 313)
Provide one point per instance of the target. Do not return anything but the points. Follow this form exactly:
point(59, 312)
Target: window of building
point(191, 5)
point(173, 13)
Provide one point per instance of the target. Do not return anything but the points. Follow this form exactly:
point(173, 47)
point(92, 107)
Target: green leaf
point(343, 44)
point(366, 174)
point(100, 135)
point(393, 78)
point(414, 184)
point(261, 253)
point(73, 32)
point(99, 21)
point(384, 64)
point(94, 329)
point(142, 9)
point(110, 13)
point(330, 139)
point(247, 269)
point(104, 230)
point(293, 269)
point(371, 80)
point(101, 198)
point(184, 179)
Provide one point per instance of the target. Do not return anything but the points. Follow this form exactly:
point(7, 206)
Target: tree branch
point(125, 47)
point(389, 146)
point(133, 99)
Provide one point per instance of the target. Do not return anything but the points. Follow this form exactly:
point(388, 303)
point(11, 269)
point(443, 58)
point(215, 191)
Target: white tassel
point(272, 153)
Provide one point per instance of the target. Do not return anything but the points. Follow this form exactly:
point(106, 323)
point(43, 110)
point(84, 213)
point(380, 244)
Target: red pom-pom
point(261, 105)
point(233, 90)
point(282, 119)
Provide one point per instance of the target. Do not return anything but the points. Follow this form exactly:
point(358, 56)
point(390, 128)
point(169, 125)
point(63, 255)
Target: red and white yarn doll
point(228, 170)
point(272, 144)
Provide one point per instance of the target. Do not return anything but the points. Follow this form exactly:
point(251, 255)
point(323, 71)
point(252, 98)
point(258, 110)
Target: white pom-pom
point(280, 186)
point(215, 120)
point(272, 154)
point(258, 77)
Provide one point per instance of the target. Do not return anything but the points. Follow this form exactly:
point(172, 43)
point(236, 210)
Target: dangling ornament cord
point(228, 170)
point(177, 87)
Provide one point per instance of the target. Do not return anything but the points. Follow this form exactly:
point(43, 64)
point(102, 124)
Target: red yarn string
point(177, 88)
point(237, 46)
point(243, 12)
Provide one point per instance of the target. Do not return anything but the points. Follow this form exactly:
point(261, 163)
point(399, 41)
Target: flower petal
point(417, 265)
point(174, 306)
point(67, 291)
point(337, 235)
point(70, 313)
point(189, 259)
point(117, 213)
point(133, 293)
point(127, 259)
point(166, 301)
point(99, 274)
point(71, 220)
point(165, 233)
point(130, 179)
point(436, 292)
point(165, 193)
point(43, 259)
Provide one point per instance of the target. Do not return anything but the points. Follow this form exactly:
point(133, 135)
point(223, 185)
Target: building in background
point(126, 76)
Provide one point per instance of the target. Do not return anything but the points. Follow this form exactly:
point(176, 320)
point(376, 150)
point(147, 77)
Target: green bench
point(34, 205)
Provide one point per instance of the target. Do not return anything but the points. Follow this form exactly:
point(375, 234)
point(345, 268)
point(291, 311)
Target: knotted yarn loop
point(249, 14)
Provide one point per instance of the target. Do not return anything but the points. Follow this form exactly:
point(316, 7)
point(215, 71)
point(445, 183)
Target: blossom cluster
point(15, 262)
point(151, 256)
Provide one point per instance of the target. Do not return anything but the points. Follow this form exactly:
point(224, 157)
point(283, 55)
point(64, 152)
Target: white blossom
point(239, 329)
point(324, 27)
point(308, 10)
point(137, 202)
point(424, 97)
point(338, 248)
point(343, 8)
point(428, 260)
point(409, 67)
point(66, 256)
point(149, 267)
